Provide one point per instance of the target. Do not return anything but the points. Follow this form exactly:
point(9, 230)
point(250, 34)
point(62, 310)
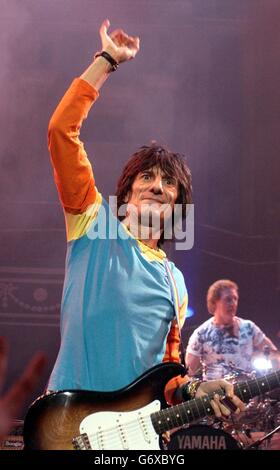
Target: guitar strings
point(132, 428)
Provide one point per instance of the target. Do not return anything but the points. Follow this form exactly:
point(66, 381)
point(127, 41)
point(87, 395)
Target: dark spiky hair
point(172, 164)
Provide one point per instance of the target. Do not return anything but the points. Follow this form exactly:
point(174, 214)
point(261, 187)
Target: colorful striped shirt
point(117, 315)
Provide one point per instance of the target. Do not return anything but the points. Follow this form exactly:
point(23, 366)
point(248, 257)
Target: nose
point(157, 186)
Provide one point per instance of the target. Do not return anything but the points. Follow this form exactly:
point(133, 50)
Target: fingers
point(227, 387)
point(166, 436)
point(222, 405)
point(134, 46)
point(103, 30)
point(229, 391)
point(121, 39)
point(133, 43)
point(218, 407)
point(117, 35)
point(25, 385)
point(238, 403)
point(226, 406)
point(137, 42)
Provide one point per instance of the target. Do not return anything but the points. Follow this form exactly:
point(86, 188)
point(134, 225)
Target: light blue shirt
point(116, 311)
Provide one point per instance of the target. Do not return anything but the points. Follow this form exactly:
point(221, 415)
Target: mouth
point(150, 200)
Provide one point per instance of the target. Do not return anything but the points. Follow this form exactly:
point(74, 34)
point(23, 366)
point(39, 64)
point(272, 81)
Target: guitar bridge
point(81, 442)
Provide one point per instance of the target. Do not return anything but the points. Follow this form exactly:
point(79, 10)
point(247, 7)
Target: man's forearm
point(97, 73)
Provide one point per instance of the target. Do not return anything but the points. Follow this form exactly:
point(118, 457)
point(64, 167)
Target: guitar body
point(55, 419)
point(128, 419)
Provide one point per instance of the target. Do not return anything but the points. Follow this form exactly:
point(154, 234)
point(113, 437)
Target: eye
point(146, 176)
point(169, 181)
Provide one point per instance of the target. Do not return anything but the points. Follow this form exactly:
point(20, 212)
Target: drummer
point(224, 344)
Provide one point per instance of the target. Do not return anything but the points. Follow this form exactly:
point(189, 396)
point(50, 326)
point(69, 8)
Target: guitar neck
point(192, 410)
point(254, 387)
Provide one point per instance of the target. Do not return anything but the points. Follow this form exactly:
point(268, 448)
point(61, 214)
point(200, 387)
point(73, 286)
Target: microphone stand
point(256, 444)
point(266, 353)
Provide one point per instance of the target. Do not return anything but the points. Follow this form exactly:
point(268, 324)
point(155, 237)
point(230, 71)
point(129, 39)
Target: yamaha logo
point(201, 442)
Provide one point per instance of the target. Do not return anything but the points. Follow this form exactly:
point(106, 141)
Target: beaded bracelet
point(190, 388)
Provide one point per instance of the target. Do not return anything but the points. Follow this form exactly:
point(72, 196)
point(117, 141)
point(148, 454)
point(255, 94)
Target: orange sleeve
point(172, 354)
point(72, 169)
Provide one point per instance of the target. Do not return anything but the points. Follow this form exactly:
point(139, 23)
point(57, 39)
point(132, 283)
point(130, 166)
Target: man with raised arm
point(123, 301)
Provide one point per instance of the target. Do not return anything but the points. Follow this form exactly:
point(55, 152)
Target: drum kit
point(258, 427)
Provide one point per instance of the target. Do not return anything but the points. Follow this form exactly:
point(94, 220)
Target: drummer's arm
point(266, 342)
point(273, 353)
point(193, 363)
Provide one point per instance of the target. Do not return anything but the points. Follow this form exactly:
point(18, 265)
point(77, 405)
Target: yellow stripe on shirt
point(77, 225)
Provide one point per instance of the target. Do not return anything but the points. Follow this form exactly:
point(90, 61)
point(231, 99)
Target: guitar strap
point(175, 298)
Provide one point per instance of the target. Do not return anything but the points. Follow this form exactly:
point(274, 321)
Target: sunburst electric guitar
point(132, 418)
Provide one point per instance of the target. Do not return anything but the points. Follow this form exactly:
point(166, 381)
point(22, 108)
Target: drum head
point(201, 437)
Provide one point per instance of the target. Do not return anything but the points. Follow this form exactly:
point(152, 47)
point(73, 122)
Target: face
point(152, 197)
point(226, 306)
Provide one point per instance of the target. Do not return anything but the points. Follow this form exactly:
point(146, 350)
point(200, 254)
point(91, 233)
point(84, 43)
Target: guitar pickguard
point(121, 430)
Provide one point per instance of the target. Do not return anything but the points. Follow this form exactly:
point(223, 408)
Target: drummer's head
point(222, 300)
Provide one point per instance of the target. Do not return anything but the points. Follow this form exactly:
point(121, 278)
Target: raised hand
point(118, 44)
point(13, 400)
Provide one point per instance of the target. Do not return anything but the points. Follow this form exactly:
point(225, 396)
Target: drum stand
point(257, 443)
